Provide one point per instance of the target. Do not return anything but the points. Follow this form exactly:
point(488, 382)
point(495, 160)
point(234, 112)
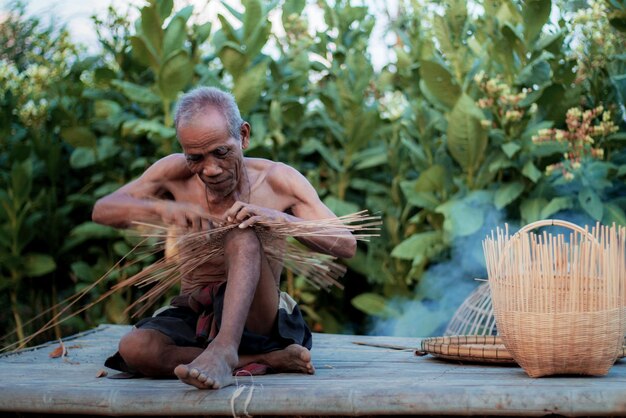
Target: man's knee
point(241, 241)
point(140, 346)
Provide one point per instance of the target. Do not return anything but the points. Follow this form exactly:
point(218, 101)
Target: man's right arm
point(144, 200)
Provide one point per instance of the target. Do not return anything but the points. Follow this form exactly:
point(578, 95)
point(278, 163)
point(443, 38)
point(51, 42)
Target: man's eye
point(221, 151)
point(193, 158)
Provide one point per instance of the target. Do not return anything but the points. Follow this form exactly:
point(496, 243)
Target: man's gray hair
point(194, 102)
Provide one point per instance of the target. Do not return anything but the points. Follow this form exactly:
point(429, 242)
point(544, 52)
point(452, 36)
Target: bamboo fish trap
point(559, 304)
point(474, 316)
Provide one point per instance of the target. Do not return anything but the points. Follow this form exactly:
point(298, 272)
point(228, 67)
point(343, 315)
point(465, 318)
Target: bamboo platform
point(350, 380)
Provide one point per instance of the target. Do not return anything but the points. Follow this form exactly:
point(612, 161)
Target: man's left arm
point(306, 205)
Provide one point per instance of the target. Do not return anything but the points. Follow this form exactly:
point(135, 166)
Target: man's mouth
point(216, 182)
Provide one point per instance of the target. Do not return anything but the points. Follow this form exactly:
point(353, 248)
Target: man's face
point(211, 153)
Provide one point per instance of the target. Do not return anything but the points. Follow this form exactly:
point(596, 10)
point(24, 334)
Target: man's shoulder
point(172, 167)
point(271, 171)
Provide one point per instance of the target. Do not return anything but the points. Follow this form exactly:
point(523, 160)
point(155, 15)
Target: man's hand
point(246, 214)
point(184, 215)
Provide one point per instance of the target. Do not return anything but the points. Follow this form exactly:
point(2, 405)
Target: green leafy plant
point(491, 109)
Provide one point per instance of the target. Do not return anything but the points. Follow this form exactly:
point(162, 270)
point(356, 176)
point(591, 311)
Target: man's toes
point(194, 373)
point(181, 371)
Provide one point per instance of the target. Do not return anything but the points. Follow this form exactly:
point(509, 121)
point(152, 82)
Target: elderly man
point(230, 312)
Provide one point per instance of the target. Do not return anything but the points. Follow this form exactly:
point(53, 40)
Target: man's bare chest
point(262, 195)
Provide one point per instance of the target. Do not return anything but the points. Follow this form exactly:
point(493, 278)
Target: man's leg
point(294, 358)
point(250, 300)
point(152, 353)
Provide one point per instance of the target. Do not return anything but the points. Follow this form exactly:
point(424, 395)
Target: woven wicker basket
point(474, 316)
point(559, 306)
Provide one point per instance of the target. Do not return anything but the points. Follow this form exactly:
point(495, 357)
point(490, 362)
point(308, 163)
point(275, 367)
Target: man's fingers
point(244, 213)
point(205, 224)
point(250, 221)
point(196, 223)
point(232, 212)
point(180, 220)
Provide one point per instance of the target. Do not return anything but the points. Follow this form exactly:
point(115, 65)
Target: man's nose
point(212, 170)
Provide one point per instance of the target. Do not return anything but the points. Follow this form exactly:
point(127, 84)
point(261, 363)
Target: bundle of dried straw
point(194, 249)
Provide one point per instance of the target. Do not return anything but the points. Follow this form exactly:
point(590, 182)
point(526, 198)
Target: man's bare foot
point(212, 369)
point(294, 358)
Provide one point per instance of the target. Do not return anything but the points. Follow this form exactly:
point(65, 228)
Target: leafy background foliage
point(497, 111)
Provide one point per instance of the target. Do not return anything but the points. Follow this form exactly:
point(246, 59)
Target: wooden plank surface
point(350, 379)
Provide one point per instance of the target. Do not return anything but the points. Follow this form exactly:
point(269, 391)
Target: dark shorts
point(181, 325)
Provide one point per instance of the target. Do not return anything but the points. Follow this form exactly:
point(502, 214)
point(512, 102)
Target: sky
point(76, 15)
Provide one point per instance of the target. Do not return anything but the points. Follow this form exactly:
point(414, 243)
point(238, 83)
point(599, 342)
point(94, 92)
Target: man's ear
point(245, 135)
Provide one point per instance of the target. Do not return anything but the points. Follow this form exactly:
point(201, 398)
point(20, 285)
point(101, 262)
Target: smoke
point(442, 288)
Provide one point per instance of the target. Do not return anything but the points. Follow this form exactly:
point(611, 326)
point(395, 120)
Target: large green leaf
point(142, 53)
point(508, 193)
point(249, 87)
point(418, 247)
point(185, 12)
point(374, 304)
point(535, 13)
point(257, 40)
point(21, 181)
point(79, 136)
point(87, 231)
point(83, 271)
point(440, 83)
point(292, 7)
point(202, 32)
point(82, 157)
point(36, 264)
point(461, 217)
point(427, 200)
point(467, 139)
point(444, 37)
point(537, 72)
point(313, 145)
point(370, 157)
point(108, 147)
point(359, 129)
point(557, 204)
point(175, 74)
point(251, 18)
point(530, 209)
point(137, 93)
point(233, 59)
point(432, 179)
point(510, 148)
point(175, 35)
point(531, 172)
point(150, 127)
point(340, 207)
point(164, 8)
point(151, 28)
point(227, 29)
point(591, 203)
point(236, 13)
point(613, 214)
point(104, 109)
